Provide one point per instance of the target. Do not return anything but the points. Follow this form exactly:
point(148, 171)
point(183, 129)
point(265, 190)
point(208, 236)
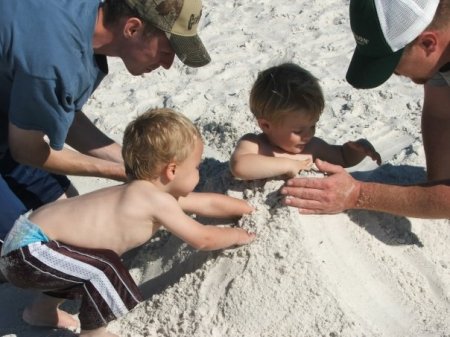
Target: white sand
point(353, 274)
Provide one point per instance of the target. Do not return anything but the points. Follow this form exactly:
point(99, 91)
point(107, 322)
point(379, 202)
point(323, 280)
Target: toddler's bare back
point(118, 218)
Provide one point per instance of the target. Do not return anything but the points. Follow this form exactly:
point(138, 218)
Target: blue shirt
point(48, 69)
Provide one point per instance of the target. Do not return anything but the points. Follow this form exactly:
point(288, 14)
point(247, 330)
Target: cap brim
point(190, 50)
point(365, 72)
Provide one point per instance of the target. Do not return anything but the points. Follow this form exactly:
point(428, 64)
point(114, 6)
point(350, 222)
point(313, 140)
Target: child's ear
point(264, 124)
point(170, 170)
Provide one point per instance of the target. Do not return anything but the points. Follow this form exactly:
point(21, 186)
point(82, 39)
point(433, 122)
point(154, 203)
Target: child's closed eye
point(302, 131)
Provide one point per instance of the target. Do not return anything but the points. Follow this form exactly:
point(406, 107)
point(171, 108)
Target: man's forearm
point(70, 162)
point(86, 138)
point(432, 201)
point(436, 131)
point(111, 152)
point(29, 148)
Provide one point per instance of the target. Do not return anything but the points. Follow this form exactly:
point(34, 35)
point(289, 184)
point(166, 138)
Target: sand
point(357, 273)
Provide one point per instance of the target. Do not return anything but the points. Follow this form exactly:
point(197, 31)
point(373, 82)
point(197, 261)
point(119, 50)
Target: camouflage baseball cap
point(179, 20)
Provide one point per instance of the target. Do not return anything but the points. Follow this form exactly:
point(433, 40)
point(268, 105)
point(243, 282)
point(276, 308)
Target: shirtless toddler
point(71, 248)
point(287, 102)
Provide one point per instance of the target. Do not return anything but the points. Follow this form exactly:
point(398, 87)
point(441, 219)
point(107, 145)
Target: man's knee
point(2, 278)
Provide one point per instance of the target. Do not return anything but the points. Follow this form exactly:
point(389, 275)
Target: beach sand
point(356, 273)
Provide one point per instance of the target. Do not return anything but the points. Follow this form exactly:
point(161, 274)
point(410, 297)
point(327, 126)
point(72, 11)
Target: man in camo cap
point(48, 70)
point(179, 20)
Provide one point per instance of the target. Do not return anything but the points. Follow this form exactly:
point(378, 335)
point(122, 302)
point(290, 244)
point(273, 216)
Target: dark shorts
point(23, 188)
point(2, 277)
point(96, 276)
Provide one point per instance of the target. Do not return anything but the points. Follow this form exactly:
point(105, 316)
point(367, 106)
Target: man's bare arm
point(339, 191)
point(436, 131)
point(86, 138)
point(29, 147)
point(429, 202)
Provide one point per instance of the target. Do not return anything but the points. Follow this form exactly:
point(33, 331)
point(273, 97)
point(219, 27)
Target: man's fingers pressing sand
point(336, 192)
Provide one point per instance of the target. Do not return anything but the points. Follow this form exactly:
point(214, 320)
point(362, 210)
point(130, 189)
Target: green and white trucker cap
point(382, 29)
point(179, 20)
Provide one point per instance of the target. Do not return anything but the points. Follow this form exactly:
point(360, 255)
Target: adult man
point(409, 38)
point(53, 56)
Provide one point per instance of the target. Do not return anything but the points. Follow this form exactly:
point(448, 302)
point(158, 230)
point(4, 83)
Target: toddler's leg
point(108, 291)
point(44, 311)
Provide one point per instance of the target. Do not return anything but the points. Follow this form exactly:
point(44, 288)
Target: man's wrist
point(362, 194)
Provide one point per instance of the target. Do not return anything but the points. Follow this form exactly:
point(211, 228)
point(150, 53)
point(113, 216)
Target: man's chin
point(136, 72)
point(420, 81)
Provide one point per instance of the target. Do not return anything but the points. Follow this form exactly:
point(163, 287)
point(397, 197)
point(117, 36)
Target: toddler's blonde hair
point(156, 138)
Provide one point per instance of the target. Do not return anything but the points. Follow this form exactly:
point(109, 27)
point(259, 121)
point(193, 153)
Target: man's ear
point(132, 27)
point(169, 171)
point(428, 41)
point(264, 124)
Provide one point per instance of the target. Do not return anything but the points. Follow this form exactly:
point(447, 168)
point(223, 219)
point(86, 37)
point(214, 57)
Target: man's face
point(418, 62)
point(408, 67)
point(145, 53)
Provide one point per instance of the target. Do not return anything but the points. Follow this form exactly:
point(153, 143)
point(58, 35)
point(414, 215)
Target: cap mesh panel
point(402, 20)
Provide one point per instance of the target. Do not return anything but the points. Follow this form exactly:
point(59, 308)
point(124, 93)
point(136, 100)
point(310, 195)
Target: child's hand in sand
point(365, 147)
point(244, 237)
point(299, 165)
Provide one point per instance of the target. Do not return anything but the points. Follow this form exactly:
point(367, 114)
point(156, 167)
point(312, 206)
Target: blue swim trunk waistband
point(23, 233)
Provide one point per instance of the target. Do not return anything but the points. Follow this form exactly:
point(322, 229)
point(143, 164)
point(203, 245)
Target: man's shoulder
point(445, 68)
point(442, 77)
point(56, 37)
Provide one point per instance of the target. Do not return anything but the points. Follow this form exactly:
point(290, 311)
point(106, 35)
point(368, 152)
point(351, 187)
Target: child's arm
point(169, 214)
point(246, 162)
point(355, 151)
point(346, 155)
point(214, 205)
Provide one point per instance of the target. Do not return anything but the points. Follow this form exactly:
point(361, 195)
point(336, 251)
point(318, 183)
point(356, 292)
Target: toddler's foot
point(59, 319)
point(100, 332)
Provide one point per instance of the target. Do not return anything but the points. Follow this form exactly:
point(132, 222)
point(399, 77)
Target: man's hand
point(337, 192)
